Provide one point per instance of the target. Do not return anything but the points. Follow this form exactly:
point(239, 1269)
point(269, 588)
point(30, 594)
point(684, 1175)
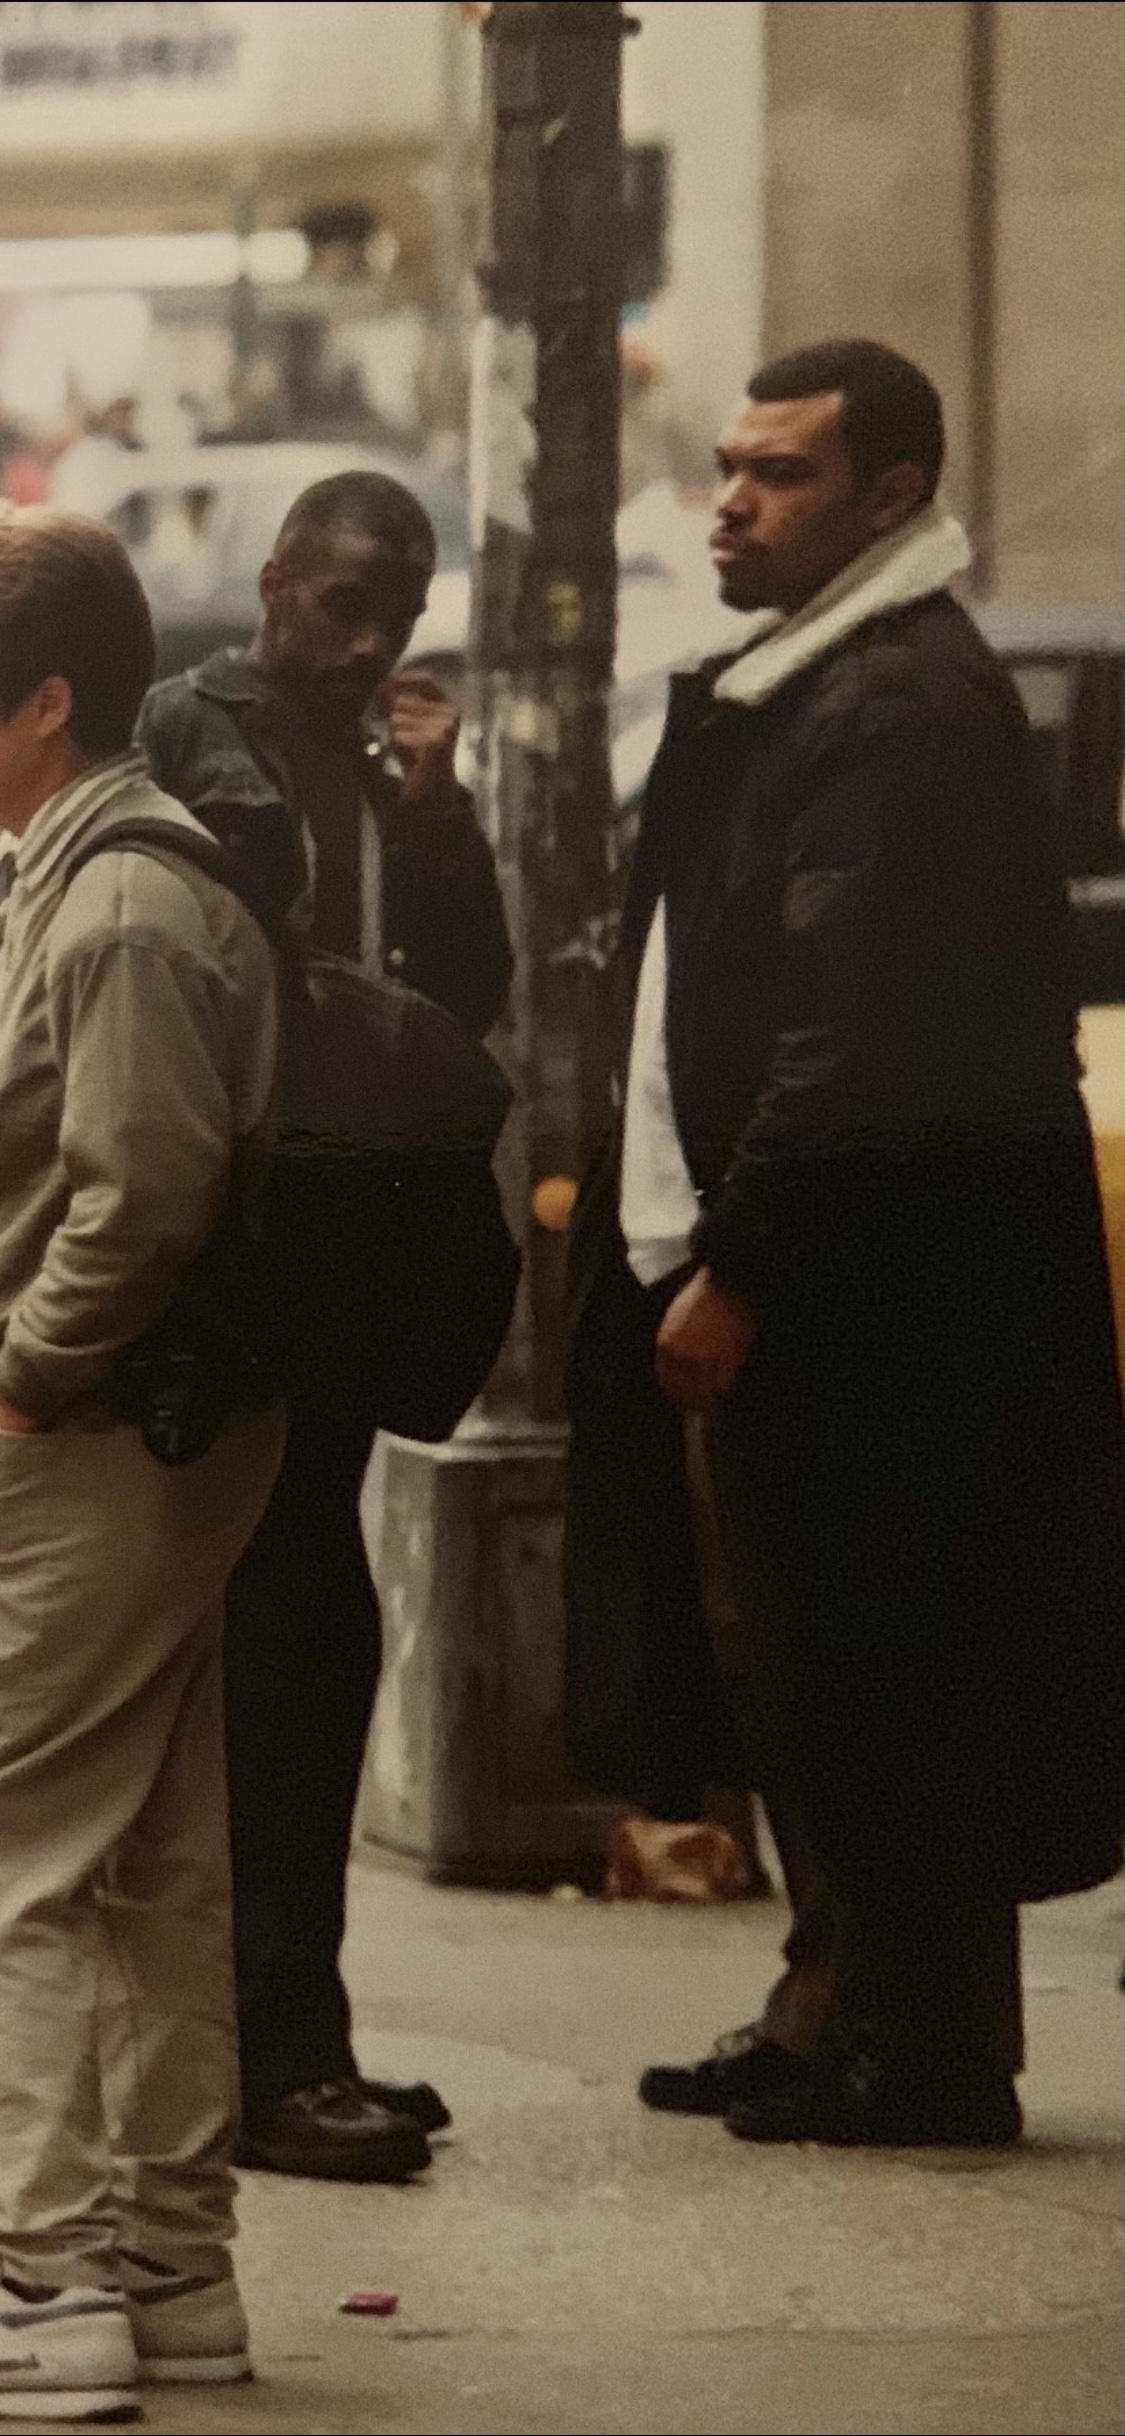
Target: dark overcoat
point(870, 1037)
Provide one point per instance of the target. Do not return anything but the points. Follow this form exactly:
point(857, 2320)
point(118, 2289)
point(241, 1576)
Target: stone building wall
point(869, 231)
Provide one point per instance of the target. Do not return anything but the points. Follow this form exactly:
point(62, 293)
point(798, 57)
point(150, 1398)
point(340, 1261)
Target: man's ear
point(267, 583)
point(53, 707)
point(897, 495)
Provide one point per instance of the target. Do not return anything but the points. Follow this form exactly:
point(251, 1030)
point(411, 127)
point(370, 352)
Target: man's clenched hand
point(703, 1341)
point(423, 725)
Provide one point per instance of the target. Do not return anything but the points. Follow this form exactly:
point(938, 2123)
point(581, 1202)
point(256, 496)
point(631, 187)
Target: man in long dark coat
point(856, 1186)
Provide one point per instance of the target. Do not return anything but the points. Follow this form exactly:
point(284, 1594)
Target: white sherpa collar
point(920, 558)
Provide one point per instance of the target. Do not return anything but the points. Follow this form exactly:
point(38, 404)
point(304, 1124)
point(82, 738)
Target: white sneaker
point(65, 2355)
point(188, 2329)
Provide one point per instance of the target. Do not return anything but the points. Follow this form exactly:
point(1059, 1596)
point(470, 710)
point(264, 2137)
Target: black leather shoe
point(730, 2076)
point(418, 2099)
point(869, 2102)
point(334, 2133)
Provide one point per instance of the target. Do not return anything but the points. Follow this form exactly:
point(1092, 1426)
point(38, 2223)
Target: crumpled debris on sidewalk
point(660, 1862)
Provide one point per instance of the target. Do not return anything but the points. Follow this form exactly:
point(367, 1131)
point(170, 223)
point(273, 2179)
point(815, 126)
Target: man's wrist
point(738, 1299)
point(25, 1389)
point(441, 799)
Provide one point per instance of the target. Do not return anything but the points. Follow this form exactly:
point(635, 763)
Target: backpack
point(363, 1258)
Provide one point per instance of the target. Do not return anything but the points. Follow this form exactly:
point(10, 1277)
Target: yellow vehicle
point(1103, 1050)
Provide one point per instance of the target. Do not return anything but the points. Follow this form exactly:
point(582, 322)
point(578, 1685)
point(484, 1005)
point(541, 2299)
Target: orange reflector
point(552, 1203)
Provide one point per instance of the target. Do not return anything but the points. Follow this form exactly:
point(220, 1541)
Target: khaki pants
point(118, 2070)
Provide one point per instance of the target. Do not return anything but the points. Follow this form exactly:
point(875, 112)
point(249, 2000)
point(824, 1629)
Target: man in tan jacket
point(137, 1048)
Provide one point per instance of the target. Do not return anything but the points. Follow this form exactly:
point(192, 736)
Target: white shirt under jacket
point(659, 1205)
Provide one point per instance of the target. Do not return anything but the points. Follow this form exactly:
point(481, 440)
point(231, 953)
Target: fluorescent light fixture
point(211, 258)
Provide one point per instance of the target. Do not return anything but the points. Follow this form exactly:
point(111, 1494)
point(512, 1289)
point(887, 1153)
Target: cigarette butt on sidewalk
point(368, 2305)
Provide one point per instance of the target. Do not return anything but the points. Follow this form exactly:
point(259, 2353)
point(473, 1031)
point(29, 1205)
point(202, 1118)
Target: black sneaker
point(869, 2101)
point(335, 2133)
point(733, 2074)
point(418, 2099)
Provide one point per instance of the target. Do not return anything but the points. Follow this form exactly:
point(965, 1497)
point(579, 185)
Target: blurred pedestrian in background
point(107, 340)
point(376, 852)
point(80, 477)
point(359, 375)
point(36, 398)
point(856, 1187)
point(137, 1051)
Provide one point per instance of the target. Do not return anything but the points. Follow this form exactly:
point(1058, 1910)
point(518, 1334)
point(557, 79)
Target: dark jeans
point(302, 1663)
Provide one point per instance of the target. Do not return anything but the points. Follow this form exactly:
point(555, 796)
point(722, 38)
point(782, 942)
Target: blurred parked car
point(1070, 670)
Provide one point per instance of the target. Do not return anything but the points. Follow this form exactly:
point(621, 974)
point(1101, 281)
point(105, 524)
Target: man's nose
point(367, 642)
point(734, 497)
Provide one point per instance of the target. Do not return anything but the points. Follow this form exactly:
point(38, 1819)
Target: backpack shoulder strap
point(166, 837)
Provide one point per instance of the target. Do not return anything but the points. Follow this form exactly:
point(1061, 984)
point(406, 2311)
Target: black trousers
point(302, 1664)
point(913, 1943)
point(646, 1713)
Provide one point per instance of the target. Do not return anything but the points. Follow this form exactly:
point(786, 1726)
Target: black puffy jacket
point(867, 928)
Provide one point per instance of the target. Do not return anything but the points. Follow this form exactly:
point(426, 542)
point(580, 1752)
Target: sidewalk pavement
point(575, 2264)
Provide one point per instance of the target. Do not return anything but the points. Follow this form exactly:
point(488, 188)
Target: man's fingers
point(436, 717)
point(423, 706)
point(693, 1397)
point(416, 684)
point(421, 733)
point(693, 1381)
point(687, 1382)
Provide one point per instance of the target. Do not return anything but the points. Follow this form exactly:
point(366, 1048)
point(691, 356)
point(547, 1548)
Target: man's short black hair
point(72, 606)
point(892, 412)
point(372, 504)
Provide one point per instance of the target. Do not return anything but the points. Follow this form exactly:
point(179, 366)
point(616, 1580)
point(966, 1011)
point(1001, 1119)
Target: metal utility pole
point(451, 224)
point(466, 1770)
point(981, 31)
point(544, 455)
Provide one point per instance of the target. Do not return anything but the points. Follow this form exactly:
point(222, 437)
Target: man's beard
point(740, 589)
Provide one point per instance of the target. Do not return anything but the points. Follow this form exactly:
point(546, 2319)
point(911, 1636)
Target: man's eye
point(778, 473)
point(345, 601)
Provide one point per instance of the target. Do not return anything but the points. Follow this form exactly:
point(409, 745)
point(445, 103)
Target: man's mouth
point(347, 689)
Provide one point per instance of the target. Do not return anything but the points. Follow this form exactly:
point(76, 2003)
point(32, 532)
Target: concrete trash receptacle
point(465, 1775)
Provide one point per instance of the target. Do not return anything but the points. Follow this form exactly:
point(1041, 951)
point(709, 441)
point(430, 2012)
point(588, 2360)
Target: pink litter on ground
point(369, 2305)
